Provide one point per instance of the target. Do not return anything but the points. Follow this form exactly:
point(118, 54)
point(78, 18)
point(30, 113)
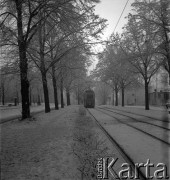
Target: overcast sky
point(111, 10)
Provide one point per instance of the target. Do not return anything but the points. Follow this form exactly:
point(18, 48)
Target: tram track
point(153, 118)
point(125, 156)
point(135, 120)
point(138, 129)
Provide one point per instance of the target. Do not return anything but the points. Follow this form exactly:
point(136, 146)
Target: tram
point(89, 99)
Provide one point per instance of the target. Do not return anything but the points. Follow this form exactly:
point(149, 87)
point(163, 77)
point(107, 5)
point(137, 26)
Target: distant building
point(159, 91)
point(159, 88)
point(133, 96)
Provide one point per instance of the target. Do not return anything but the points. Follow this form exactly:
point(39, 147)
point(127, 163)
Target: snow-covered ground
point(11, 112)
point(39, 149)
point(56, 145)
point(157, 112)
point(60, 145)
point(141, 122)
point(139, 146)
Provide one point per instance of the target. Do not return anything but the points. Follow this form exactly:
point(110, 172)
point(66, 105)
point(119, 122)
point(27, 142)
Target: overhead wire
point(120, 15)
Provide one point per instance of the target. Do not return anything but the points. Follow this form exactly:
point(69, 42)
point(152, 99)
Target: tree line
point(48, 40)
point(135, 55)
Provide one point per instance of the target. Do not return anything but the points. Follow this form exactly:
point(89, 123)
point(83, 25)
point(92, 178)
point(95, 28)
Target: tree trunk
point(61, 92)
point(167, 49)
point(30, 97)
point(46, 95)
point(78, 98)
point(24, 90)
point(68, 97)
point(41, 35)
point(38, 100)
point(146, 95)
point(17, 98)
point(55, 89)
point(116, 94)
point(164, 15)
point(104, 101)
point(123, 96)
point(3, 95)
point(113, 98)
point(23, 63)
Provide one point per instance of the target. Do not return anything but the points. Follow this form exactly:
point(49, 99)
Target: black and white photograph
point(84, 89)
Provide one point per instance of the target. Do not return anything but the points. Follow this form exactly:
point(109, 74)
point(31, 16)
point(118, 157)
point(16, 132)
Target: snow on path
point(156, 131)
point(154, 112)
point(141, 118)
point(39, 149)
point(138, 146)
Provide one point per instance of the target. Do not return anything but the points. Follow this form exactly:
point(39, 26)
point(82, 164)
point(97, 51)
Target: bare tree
point(19, 21)
point(157, 14)
point(114, 69)
point(59, 35)
point(102, 91)
point(139, 45)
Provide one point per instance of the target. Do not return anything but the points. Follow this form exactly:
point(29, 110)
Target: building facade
point(159, 91)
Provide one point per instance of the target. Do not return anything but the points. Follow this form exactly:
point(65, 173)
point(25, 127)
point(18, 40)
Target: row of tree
point(143, 47)
point(49, 39)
